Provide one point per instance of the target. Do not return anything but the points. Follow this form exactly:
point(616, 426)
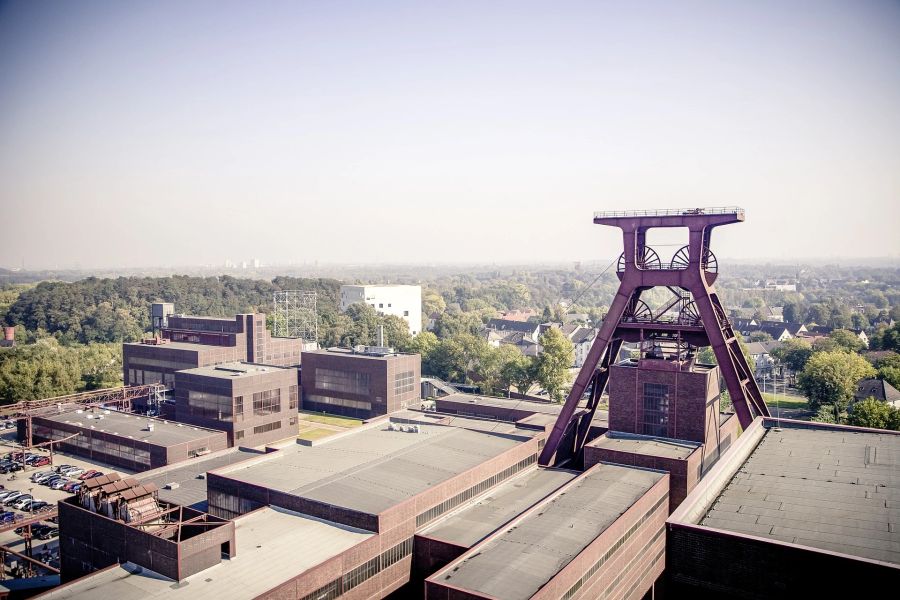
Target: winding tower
point(693, 318)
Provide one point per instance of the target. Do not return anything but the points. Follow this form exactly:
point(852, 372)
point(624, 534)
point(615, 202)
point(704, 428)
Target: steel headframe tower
point(295, 315)
point(700, 320)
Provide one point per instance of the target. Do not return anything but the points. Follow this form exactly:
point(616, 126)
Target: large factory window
point(339, 402)
point(210, 406)
point(293, 397)
point(347, 382)
point(267, 402)
point(403, 382)
point(656, 409)
point(267, 427)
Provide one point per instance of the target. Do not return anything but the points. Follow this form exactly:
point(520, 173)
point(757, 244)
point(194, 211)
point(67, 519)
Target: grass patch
point(786, 401)
point(314, 434)
point(330, 419)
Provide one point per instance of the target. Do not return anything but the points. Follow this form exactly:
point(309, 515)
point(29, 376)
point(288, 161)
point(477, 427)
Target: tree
point(396, 333)
point(847, 340)
point(423, 344)
point(446, 361)
point(886, 338)
point(364, 328)
point(873, 413)
point(553, 363)
point(831, 378)
point(516, 369)
point(891, 375)
point(789, 312)
point(760, 336)
point(793, 353)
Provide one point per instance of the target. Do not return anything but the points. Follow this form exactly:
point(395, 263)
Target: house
point(824, 330)
point(531, 330)
point(761, 353)
point(878, 389)
point(519, 315)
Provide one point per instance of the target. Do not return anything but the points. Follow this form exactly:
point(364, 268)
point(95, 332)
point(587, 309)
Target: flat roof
point(236, 370)
point(647, 445)
point(350, 352)
point(177, 346)
point(374, 469)
point(165, 433)
point(831, 489)
point(191, 490)
point(490, 511)
point(516, 563)
point(549, 408)
point(478, 424)
point(273, 546)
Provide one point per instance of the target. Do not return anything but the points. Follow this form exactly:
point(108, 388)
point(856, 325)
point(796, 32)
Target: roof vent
point(171, 486)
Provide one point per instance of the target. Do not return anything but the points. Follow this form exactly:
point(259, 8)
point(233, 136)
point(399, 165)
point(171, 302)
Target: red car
point(88, 474)
point(42, 461)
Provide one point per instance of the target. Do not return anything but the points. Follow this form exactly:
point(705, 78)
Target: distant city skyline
point(147, 134)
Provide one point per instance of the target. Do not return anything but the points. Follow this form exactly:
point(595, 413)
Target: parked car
point(89, 473)
point(11, 468)
point(20, 502)
point(12, 498)
point(97, 474)
point(73, 472)
point(6, 493)
point(35, 476)
point(47, 533)
point(40, 479)
point(41, 461)
point(7, 516)
point(69, 485)
point(9, 425)
point(59, 483)
point(54, 479)
point(61, 468)
point(40, 505)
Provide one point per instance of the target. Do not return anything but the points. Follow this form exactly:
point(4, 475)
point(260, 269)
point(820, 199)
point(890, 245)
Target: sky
point(155, 133)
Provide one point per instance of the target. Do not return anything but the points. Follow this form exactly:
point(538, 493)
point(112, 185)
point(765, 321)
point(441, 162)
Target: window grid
point(435, 511)
point(656, 409)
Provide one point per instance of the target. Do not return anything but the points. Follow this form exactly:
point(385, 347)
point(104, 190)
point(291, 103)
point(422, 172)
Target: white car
point(22, 501)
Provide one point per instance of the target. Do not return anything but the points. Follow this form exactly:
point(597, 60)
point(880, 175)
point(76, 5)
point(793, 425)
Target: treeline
point(116, 310)
point(47, 369)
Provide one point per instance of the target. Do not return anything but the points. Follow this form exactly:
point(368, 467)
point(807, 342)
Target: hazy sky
point(183, 133)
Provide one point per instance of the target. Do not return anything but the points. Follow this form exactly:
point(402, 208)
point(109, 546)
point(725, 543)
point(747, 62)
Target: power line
point(597, 278)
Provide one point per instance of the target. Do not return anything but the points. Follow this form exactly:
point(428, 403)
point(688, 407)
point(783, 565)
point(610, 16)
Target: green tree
point(396, 333)
point(446, 361)
point(423, 344)
point(847, 340)
point(793, 353)
point(553, 363)
point(760, 336)
point(513, 366)
point(891, 375)
point(364, 328)
point(831, 378)
point(872, 413)
point(789, 312)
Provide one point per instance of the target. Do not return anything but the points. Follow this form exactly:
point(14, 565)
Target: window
point(293, 396)
point(209, 406)
point(380, 305)
point(239, 435)
point(315, 398)
point(405, 313)
point(267, 402)
point(656, 409)
point(403, 382)
point(267, 427)
point(239, 408)
point(347, 382)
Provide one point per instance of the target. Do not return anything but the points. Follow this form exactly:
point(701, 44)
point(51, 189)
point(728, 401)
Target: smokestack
point(380, 343)
point(9, 334)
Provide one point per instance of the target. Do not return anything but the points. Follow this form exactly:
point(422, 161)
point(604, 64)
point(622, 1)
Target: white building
point(398, 300)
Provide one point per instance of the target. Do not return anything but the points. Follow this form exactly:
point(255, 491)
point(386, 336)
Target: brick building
point(254, 404)
point(126, 440)
point(188, 342)
point(360, 383)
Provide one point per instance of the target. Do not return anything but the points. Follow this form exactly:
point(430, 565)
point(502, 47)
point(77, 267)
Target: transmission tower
point(295, 315)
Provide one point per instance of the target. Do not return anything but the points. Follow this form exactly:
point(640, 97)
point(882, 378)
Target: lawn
point(330, 419)
point(314, 434)
point(786, 401)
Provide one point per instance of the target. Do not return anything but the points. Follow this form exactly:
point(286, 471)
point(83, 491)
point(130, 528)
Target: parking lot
point(21, 481)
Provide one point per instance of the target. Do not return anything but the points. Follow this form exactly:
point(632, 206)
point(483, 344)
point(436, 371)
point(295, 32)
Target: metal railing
point(671, 212)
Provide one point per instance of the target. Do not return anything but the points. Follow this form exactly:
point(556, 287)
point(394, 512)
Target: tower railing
point(671, 212)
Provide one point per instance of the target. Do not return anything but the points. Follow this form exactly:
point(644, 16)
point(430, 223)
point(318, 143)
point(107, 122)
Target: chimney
point(9, 334)
point(380, 342)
